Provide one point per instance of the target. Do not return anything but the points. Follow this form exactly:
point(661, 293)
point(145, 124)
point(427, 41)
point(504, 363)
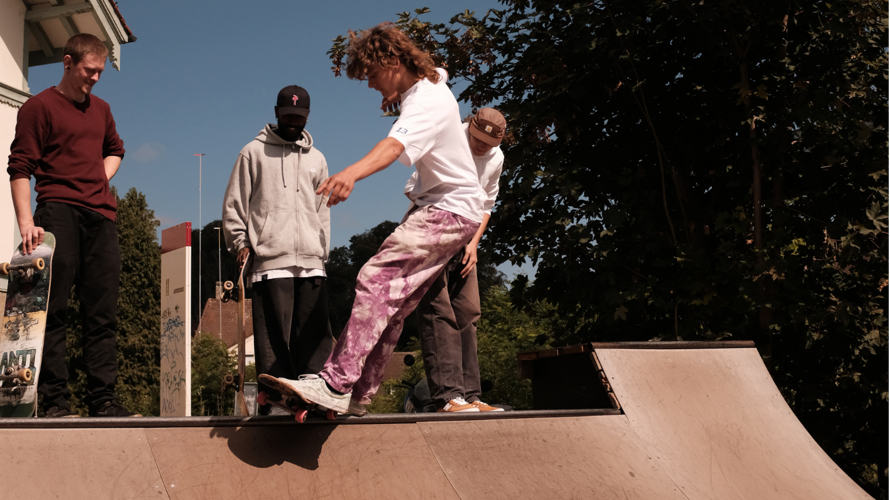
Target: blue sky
point(203, 77)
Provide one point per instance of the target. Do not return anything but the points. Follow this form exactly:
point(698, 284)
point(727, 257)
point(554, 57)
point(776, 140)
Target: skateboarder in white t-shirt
point(428, 135)
point(448, 313)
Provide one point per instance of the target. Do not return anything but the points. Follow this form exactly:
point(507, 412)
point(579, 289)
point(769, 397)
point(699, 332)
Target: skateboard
point(303, 405)
point(237, 294)
point(23, 327)
point(300, 410)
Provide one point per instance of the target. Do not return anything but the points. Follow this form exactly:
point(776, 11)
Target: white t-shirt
point(489, 167)
point(435, 143)
point(287, 272)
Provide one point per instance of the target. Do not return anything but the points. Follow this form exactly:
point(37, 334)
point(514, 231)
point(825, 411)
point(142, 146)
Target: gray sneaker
point(357, 409)
point(312, 389)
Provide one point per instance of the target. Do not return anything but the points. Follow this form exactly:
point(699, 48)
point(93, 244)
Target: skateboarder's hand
point(243, 254)
point(391, 104)
point(339, 186)
point(469, 259)
point(32, 236)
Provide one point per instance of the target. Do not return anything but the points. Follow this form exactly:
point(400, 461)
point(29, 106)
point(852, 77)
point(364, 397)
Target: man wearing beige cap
point(448, 313)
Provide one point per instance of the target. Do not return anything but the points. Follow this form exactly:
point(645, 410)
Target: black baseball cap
point(293, 100)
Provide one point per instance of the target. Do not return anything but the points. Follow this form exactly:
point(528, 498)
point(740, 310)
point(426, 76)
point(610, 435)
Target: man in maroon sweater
point(66, 138)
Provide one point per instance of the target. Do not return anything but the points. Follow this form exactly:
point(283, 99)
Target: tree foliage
point(699, 170)
point(211, 362)
point(502, 333)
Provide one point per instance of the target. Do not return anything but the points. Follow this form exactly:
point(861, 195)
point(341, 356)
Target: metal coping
point(284, 420)
point(592, 346)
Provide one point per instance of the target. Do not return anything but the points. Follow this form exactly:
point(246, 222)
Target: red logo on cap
point(295, 100)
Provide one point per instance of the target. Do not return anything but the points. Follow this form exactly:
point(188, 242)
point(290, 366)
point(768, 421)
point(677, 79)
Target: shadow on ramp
point(257, 447)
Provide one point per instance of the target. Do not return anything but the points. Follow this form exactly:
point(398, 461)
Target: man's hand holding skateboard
point(242, 256)
point(339, 186)
point(32, 237)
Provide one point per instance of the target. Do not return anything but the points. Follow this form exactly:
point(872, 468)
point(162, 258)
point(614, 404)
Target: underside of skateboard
point(298, 408)
point(236, 293)
point(22, 327)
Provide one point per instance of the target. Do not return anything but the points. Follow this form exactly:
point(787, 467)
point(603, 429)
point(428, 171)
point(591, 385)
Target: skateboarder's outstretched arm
point(340, 185)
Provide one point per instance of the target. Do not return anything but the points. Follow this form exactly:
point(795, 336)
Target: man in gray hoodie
point(276, 224)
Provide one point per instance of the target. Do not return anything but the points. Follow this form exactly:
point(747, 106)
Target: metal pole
point(219, 278)
point(200, 305)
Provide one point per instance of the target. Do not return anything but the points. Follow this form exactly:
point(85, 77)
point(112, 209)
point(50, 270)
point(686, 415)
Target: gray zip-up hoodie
point(271, 205)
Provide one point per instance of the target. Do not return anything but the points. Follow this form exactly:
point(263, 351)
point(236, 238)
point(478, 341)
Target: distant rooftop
point(210, 320)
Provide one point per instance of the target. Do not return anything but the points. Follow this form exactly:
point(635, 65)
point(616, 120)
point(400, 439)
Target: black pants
point(291, 331)
point(447, 318)
point(87, 255)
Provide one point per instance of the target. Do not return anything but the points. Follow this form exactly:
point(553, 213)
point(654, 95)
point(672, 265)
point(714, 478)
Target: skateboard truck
point(231, 380)
point(18, 375)
point(229, 292)
point(37, 263)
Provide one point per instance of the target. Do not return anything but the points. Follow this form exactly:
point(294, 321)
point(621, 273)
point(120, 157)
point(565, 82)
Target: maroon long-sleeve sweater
point(62, 143)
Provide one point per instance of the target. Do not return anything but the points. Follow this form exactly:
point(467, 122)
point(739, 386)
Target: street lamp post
point(200, 305)
point(219, 267)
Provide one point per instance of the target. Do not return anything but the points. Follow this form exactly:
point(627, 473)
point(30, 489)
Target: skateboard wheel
point(300, 416)
point(24, 375)
point(4, 268)
point(38, 263)
point(228, 285)
point(261, 398)
point(331, 415)
point(229, 379)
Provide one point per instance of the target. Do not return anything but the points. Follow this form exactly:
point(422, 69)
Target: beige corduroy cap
point(488, 125)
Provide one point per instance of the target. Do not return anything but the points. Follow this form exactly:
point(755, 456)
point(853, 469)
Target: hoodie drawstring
point(299, 163)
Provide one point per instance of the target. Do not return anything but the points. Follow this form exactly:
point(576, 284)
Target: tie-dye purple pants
point(388, 288)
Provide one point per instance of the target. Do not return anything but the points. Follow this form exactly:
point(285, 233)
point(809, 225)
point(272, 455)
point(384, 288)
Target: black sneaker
point(59, 411)
point(112, 408)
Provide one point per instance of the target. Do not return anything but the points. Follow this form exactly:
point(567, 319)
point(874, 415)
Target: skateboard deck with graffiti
point(238, 380)
point(23, 327)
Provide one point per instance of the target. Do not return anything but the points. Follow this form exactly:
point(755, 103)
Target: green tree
point(211, 362)
point(139, 327)
point(700, 171)
point(502, 333)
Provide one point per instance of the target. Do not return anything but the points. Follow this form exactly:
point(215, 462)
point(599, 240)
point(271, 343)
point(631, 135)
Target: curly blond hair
point(376, 47)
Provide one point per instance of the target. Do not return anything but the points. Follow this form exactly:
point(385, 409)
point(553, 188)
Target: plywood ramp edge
point(719, 427)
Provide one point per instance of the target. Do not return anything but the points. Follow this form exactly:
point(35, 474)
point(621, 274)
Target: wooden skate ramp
point(694, 423)
point(717, 425)
point(547, 459)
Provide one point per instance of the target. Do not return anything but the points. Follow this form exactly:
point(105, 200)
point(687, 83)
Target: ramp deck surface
point(694, 424)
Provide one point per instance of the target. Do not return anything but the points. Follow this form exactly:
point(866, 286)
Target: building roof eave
point(106, 14)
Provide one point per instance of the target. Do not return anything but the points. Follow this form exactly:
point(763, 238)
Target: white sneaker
point(312, 389)
point(458, 405)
